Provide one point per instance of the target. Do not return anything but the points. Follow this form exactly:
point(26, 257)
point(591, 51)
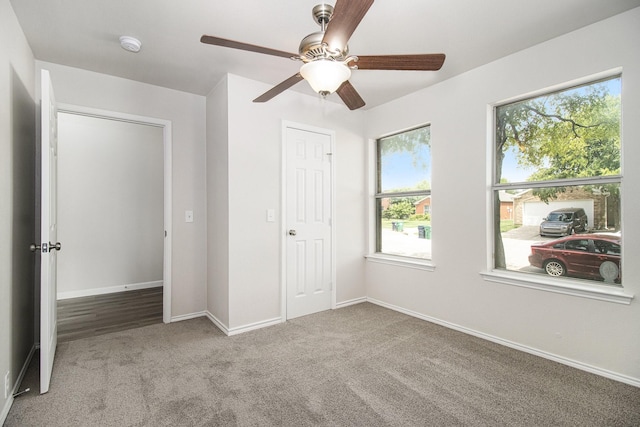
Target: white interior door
point(49, 246)
point(309, 270)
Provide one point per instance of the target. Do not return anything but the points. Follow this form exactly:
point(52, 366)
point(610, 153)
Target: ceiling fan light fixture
point(324, 75)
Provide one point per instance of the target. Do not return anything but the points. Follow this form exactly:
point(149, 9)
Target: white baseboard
point(109, 290)
point(188, 316)
point(217, 323)
point(206, 314)
point(5, 409)
point(23, 371)
point(351, 302)
point(253, 326)
point(242, 329)
point(545, 355)
point(16, 386)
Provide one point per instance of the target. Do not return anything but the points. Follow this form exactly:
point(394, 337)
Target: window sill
point(401, 261)
point(567, 287)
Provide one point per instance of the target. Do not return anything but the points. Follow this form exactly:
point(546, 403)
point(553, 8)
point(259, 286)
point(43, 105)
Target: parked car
point(564, 222)
point(590, 256)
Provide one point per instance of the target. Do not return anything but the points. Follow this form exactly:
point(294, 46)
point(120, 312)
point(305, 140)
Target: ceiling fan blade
point(347, 14)
point(425, 62)
point(277, 90)
point(350, 96)
point(245, 46)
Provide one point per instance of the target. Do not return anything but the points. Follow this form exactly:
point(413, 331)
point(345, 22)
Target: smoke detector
point(130, 44)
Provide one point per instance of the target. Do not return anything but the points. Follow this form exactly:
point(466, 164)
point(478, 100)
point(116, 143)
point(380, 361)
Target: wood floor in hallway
point(101, 314)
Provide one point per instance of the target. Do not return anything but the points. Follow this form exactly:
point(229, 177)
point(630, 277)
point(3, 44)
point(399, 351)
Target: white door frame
point(166, 133)
point(283, 208)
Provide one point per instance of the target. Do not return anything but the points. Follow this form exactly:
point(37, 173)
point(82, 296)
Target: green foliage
point(416, 142)
point(420, 217)
point(506, 225)
point(401, 209)
point(422, 185)
point(569, 134)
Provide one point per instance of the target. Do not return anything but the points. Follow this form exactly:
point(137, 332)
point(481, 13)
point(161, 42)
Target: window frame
point(375, 221)
point(567, 286)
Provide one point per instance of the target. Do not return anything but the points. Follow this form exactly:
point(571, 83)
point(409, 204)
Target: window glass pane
point(404, 161)
point(569, 134)
point(402, 231)
point(572, 231)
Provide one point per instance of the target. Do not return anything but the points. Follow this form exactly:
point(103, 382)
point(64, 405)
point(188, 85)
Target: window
point(557, 166)
point(577, 245)
point(403, 194)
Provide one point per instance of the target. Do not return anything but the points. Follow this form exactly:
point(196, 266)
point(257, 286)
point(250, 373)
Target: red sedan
point(589, 256)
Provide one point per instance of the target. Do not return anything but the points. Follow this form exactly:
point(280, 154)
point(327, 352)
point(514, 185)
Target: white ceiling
point(85, 33)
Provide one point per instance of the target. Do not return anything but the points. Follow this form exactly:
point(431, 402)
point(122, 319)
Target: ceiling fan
point(327, 63)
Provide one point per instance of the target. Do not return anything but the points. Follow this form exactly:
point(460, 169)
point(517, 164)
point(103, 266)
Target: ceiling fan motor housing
point(312, 48)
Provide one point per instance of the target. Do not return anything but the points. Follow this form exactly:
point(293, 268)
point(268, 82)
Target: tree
point(399, 209)
point(413, 142)
point(570, 134)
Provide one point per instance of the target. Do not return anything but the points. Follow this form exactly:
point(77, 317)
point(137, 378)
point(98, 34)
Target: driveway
point(517, 246)
point(525, 232)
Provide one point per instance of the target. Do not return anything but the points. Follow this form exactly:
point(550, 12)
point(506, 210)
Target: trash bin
point(427, 231)
point(400, 226)
point(421, 232)
point(394, 226)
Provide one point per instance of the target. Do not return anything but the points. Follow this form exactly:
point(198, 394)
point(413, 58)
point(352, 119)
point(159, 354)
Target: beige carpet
point(358, 366)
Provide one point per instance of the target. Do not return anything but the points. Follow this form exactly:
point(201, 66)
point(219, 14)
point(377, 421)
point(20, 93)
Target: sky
point(514, 172)
point(398, 170)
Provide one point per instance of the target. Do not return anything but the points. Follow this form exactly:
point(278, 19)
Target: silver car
point(564, 222)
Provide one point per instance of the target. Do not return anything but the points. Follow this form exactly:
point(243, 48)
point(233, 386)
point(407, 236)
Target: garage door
point(534, 212)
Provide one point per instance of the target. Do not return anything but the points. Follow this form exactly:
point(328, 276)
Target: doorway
point(308, 207)
point(115, 207)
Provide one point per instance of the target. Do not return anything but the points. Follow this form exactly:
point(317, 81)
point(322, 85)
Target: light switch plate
point(188, 216)
point(271, 215)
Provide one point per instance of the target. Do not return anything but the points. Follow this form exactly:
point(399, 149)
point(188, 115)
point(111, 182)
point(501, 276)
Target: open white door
point(309, 259)
point(49, 246)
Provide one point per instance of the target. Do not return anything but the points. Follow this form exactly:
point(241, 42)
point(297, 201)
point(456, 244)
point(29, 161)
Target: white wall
point(17, 119)
point(218, 204)
point(592, 333)
point(255, 185)
point(110, 204)
point(187, 115)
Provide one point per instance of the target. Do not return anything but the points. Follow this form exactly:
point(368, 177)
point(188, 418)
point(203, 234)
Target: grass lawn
point(506, 225)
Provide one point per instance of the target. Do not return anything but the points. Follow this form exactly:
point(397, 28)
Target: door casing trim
point(167, 143)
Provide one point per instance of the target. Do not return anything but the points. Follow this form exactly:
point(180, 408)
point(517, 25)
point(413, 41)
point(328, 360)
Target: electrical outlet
point(7, 386)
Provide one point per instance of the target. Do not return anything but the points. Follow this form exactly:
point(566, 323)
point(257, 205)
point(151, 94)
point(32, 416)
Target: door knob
point(292, 232)
point(45, 247)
